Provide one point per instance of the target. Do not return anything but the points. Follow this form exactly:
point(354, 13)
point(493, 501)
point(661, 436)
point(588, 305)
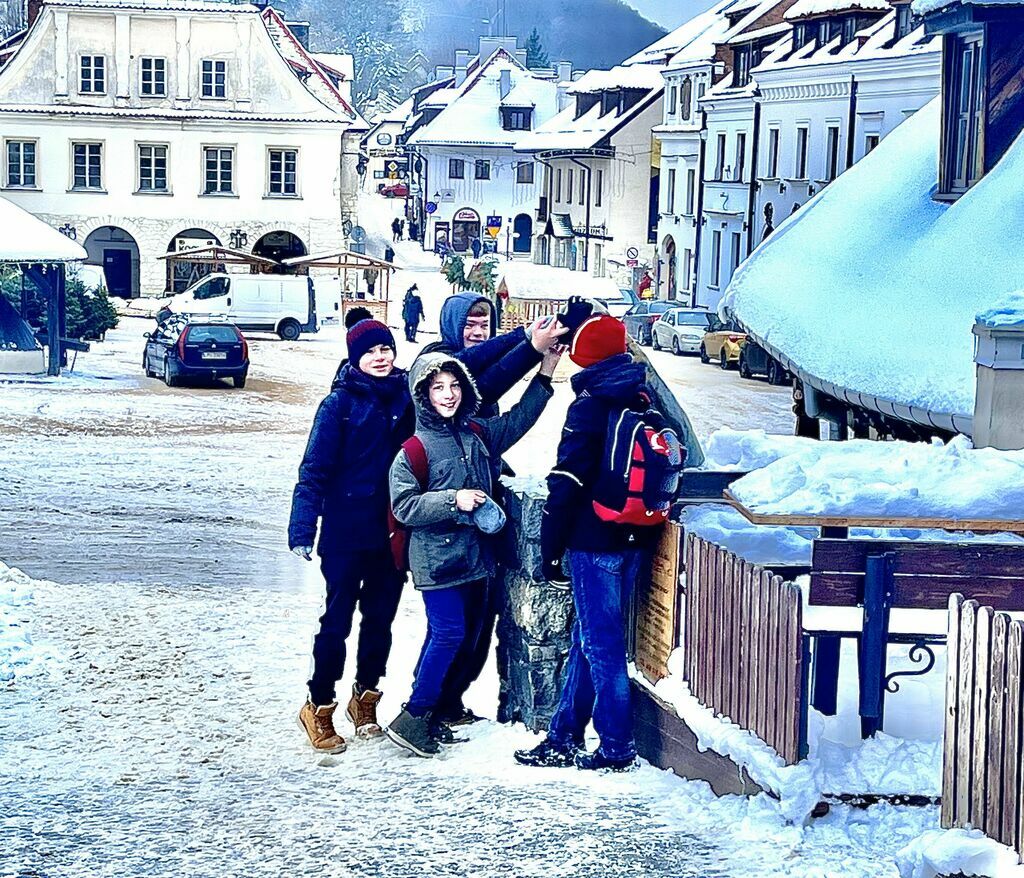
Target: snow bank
point(957, 852)
point(1008, 311)
point(890, 479)
point(908, 274)
point(17, 651)
point(766, 545)
point(745, 450)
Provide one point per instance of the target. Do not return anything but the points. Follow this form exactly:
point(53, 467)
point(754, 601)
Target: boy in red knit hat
point(604, 558)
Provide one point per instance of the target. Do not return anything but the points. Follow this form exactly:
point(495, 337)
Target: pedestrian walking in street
point(389, 254)
point(414, 230)
point(446, 503)
point(343, 486)
point(396, 230)
point(607, 546)
point(370, 276)
point(401, 229)
point(412, 312)
point(475, 246)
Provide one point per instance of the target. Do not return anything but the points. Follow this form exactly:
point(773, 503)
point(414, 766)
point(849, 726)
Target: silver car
point(680, 330)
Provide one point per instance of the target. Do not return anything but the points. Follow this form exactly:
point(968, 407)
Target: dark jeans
point(596, 680)
point(410, 331)
point(369, 579)
point(453, 626)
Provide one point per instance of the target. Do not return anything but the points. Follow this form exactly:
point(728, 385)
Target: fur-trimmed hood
point(423, 372)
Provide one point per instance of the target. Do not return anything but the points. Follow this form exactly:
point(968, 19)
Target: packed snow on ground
point(905, 274)
point(890, 480)
point(18, 651)
point(1008, 311)
point(957, 852)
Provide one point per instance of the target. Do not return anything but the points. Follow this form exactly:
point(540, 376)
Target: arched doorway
point(115, 251)
point(181, 275)
point(465, 227)
point(668, 252)
point(280, 245)
point(522, 234)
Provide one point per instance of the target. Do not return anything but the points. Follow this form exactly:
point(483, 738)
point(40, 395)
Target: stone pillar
point(999, 395)
point(534, 624)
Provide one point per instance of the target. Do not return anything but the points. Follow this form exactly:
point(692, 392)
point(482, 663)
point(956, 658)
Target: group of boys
point(361, 461)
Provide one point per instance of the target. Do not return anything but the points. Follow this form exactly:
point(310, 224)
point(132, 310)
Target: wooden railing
point(981, 766)
point(743, 644)
point(523, 312)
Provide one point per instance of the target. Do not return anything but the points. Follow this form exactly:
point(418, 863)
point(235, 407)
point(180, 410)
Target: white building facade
point(145, 128)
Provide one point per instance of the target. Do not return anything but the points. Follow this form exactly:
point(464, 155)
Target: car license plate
point(215, 355)
point(330, 321)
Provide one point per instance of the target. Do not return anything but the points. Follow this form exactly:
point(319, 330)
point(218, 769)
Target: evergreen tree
point(535, 54)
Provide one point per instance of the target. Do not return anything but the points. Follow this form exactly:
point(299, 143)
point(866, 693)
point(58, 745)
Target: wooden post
point(50, 282)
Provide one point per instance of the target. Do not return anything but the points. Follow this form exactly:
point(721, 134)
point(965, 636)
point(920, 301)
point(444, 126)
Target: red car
point(395, 190)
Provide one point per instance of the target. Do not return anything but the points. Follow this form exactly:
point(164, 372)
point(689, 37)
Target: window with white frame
point(153, 77)
point(568, 187)
point(832, 152)
point(800, 167)
point(583, 189)
point(720, 158)
point(558, 185)
point(21, 164)
point(152, 161)
point(716, 258)
point(870, 142)
point(741, 156)
point(687, 259)
point(735, 250)
point(214, 79)
point(772, 171)
point(673, 97)
point(691, 187)
point(686, 98)
point(218, 170)
point(482, 169)
point(671, 201)
point(524, 172)
point(456, 169)
point(281, 171)
point(598, 187)
point(92, 78)
point(87, 166)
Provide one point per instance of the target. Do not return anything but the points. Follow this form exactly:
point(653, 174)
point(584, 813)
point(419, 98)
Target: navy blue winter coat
point(343, 477)
point(497, 364)
point(569, 520)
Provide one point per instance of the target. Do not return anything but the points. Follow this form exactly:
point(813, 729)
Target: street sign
point(358, 234)
point(493, 226)
point(430, 207)
point(632, 263)
point(392, 168)
point(632, 253)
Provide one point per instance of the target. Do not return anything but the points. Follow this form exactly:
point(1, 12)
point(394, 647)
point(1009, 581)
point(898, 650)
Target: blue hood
point(453, 318)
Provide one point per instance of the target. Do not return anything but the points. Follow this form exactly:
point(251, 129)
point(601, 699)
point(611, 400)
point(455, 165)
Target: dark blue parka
point(343, 477)
point(496, 364)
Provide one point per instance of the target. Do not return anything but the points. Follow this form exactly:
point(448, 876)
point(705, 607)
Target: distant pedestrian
point(396, 230)
point(389, 253)
point(475, 246)
point(343, 486)
point(370, 276)
point(412, 312)
point(644, 287)
point(401, 229)
point(414, 230)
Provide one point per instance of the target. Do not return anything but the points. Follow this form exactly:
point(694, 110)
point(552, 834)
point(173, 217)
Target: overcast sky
point(670, 13)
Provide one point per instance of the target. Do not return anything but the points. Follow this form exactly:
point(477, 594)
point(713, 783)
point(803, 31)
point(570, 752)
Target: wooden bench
point(879, 576)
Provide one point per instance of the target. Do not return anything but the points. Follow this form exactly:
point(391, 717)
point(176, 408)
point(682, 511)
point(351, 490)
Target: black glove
point(577, 311)
point(555, 575)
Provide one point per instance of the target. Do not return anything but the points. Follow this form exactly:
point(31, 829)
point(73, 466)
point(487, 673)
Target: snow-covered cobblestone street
point(155, 734)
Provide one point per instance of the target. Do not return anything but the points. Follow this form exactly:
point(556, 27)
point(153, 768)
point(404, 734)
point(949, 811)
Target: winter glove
point(303, 552)
point(555, 575)
point(577, 311)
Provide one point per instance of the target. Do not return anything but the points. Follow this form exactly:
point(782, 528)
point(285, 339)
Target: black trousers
point(368, 579)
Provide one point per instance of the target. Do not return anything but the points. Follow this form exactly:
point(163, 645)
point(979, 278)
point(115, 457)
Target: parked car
point(619, 307)
point(395, 190)
point(722, 343)
point(182, 349)
point(640, 318)
point(680, 330)
point(755, 360)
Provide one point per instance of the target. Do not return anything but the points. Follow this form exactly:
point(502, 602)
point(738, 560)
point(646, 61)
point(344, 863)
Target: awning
point(339, 259)
point(216, 255)
point(559, 225)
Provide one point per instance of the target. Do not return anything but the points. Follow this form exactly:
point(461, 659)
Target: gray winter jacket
point(445, 547)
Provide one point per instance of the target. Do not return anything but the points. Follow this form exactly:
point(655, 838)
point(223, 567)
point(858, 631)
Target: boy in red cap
point(604, 558)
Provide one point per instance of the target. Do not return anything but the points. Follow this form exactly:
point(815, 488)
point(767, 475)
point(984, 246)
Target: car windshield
point(693, 318)
point(660, 307)
point(212, 333)
point(211, 289)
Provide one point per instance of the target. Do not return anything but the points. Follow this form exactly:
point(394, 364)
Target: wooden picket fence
point(981, 768)
point(743, 644)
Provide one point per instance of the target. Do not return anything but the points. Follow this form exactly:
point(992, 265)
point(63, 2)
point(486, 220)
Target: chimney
point(461, 63)
point(999, 383)
point(504, 83)
point(34, 7)
point(519, 55)
point(563, 71)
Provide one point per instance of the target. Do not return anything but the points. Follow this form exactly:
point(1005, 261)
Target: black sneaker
point(443, 735)
point(461, 717)
point(546, 755)
point(597, 761)
point(413, 734)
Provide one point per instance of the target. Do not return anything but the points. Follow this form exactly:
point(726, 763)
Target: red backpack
point(398, 533)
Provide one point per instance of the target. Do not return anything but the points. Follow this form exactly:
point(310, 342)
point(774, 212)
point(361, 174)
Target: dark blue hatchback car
point(181, 350)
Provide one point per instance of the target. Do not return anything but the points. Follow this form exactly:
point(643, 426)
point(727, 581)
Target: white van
point(277, 303)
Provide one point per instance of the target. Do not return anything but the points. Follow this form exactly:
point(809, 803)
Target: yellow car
point(722, 343)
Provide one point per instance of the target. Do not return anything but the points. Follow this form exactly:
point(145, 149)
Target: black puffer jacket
point(343, 477)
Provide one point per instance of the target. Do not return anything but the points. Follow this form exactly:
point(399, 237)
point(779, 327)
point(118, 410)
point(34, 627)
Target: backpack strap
point(417, 456)
point(476, 427)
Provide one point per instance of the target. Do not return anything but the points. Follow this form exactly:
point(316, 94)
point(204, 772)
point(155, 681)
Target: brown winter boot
point(318, 723)
point(362, 710)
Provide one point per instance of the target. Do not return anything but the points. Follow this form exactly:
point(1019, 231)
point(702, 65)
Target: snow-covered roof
point(646, 76)
point(761, 33)
point(340, 63)
point(814, 8)
point(695, 39)
point(525, 280)
point(471, 114)
point(169, 113)
point(1008, 311)
point(908, 274)
point(165, 5)
point(28, 239)
point(923, 7)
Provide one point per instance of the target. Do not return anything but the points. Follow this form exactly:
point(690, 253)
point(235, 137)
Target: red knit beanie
point(364, 335)
point(599, 338)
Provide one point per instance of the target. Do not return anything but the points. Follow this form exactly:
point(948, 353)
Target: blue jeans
point(453, 626)
point(596, 681)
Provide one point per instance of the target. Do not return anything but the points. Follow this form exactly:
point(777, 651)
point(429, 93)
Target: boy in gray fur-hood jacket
point(451, 559)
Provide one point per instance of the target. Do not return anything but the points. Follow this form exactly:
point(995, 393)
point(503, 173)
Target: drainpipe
point(752, 198)
point(698, 211)
point(852, 122)
point(547, 195)
point(586, 236)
